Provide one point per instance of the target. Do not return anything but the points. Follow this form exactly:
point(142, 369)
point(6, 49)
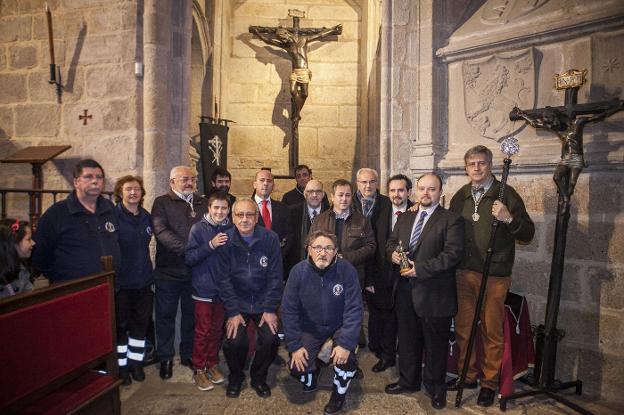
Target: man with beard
point(382, 327)
point(250, 282)
point(426, 300)
point(303, 174)
point(322, 301)
point(73, 234)
point(302, 216)
point(221, 180)
point(173, 215)
point(478, 203)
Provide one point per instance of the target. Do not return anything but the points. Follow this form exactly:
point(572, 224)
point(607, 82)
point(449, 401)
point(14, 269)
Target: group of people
point(243, 271)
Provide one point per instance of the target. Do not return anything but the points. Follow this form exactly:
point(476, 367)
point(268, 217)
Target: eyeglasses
point(248, 215)
point(314, 192)
point(318, 249)
point(186, 179)
point(367, 182)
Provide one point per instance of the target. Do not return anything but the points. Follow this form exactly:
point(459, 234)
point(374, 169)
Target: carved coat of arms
point(493, 86)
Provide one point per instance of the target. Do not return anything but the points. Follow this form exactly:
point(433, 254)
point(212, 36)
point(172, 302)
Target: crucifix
point(567, 122)
point(294, 40)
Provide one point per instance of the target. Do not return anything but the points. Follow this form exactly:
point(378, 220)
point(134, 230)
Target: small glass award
point(404, 265)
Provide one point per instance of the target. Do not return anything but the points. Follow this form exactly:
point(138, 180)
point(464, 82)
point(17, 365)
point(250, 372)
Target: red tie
point(398, 212)
point(266, 215)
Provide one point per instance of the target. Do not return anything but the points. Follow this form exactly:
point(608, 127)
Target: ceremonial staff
point(509, 147)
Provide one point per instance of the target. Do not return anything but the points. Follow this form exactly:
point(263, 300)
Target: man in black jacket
point(273, 214)
point(382, 326)
point(173, 215)
point(369, 202)
point(303, 174)
point(426, 299)
point(301, 217)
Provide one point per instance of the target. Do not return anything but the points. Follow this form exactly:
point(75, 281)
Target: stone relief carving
point(493, 86)
point(607, 64)
point(505, 11)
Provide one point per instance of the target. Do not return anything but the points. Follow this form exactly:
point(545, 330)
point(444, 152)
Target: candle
point(50, 35)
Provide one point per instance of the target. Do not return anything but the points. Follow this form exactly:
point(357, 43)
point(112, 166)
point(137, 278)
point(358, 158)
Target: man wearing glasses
point(302, 216)
point(174, 214)
point(322, 300)
point(73, 234)
point(250, 283)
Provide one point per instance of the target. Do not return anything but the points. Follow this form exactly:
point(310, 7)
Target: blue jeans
point(168, 293)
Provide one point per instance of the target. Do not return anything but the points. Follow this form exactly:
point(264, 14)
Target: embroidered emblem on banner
point(264, 261)
point(337, 290)
point(109, 227)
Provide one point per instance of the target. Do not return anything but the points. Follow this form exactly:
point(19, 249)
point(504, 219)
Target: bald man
point(301, 217)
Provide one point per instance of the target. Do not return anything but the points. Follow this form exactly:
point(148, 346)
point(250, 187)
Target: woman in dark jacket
point(133, 284)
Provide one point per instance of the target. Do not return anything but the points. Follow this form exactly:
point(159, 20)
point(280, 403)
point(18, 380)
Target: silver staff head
point(510, 146)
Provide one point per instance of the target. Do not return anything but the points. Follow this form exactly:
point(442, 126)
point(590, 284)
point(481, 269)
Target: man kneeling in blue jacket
point(322, 300)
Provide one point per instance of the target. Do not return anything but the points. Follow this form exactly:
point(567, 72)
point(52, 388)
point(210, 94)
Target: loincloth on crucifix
point(301, 75)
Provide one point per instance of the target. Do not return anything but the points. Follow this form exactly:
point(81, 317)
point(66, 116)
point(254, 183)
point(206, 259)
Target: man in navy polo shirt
point(73, 234)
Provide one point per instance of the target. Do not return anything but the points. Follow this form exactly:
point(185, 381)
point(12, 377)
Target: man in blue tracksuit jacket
point(250, 282)
point(322, 300)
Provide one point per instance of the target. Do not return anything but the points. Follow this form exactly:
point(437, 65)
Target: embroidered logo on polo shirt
point(337, 290)
point(149, 230)
point(109, 227)
point(264, 261)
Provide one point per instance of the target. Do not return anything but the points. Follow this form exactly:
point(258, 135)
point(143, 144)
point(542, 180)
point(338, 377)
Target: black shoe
point(233, 389)
point(438, 400)
point(310, 384)
point(137, 372)
point(335, 403)
point(452, 385)
point(124, 375)
point(166, 369)
point(262, 389)
point(397, 389)
point(186, 362)
point(486, 397)
point(382, 365)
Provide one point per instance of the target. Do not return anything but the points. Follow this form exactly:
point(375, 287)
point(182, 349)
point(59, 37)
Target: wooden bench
point(54, 343)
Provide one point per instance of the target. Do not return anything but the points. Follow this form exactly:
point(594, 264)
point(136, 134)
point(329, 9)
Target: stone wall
point(424, 130)
point(256, 93)
point(95, 47)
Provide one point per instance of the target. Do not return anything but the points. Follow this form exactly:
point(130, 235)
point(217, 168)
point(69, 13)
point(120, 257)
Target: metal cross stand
point(509, 147)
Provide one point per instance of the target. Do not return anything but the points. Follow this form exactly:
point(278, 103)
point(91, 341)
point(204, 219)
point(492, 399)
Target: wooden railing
point(34, 199)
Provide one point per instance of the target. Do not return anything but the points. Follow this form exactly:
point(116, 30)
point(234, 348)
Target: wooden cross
point(294, 40)
point(85, 117)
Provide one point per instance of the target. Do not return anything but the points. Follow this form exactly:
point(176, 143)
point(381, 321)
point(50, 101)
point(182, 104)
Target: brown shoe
point(215, 375)
point(200, 379)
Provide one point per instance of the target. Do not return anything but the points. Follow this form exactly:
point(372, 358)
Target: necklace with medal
point(475, 215)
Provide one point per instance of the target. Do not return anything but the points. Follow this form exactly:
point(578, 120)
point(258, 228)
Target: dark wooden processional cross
point(294, 40)
point(567, 122)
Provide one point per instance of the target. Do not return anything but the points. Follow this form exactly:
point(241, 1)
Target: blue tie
point(417, 230)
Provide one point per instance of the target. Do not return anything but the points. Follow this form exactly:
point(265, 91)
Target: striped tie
point(417, 230)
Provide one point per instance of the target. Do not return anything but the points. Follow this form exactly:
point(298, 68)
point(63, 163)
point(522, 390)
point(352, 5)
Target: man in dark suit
point(382, 326)
point(425, 293)
point(301, 217)
point(274, 215)
point(369, 202)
